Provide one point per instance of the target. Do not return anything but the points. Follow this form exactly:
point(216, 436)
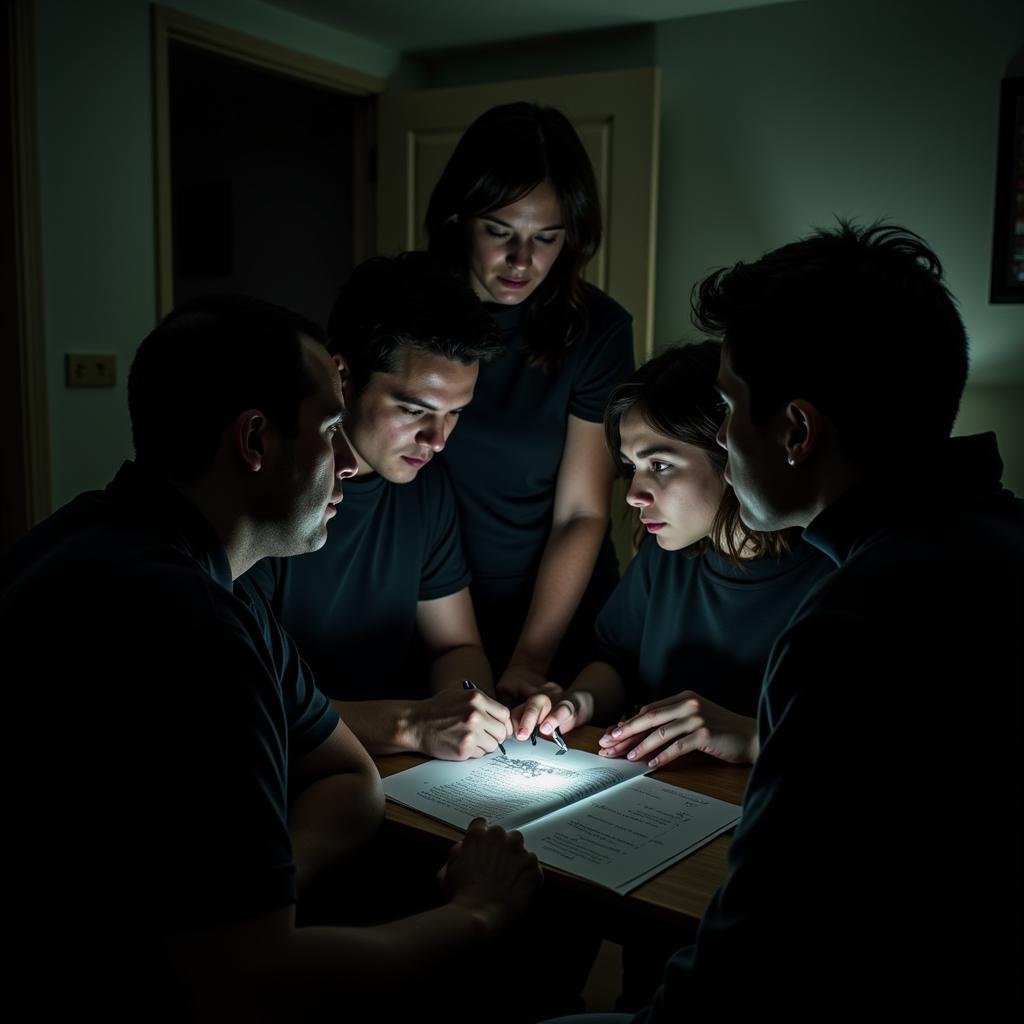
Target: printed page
point(624, 836)
point(530, 782)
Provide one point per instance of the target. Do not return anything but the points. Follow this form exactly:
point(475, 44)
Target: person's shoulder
point(170, 582)
point(806, 560)
point(603, 355)
point(71, 526)
point(603, 310)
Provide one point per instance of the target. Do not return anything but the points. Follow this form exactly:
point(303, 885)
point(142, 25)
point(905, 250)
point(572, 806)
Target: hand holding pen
point(456, 725)
point(556, 735)
point(468, 684)
point(550, 714)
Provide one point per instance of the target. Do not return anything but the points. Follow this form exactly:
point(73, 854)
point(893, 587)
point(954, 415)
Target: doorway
point(263, 166)
point(261, 183)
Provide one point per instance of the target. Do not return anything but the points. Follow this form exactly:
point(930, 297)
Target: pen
point(468, 684)
point(563, 747)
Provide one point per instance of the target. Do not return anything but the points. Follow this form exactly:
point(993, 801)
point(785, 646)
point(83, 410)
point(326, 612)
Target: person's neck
point(217, 503)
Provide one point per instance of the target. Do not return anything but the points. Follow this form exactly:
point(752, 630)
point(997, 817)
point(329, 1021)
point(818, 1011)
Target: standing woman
point(516, 210)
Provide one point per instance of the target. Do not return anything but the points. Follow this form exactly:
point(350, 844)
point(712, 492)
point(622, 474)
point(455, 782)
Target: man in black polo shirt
point(875, 872)
point(179, 779)
point(382, 612)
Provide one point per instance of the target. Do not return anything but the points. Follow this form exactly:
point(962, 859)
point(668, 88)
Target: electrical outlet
point(90, 369)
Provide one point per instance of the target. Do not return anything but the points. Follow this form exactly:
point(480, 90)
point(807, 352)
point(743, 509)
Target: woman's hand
point(546, 711)
point(676, 725)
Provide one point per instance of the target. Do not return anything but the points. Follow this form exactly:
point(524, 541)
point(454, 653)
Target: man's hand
point(491, 873)
point(456, 725)
point(676, 725)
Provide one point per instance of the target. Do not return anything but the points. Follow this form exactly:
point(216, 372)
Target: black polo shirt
point(701, 623)
point(351, 606)
point(156, 711)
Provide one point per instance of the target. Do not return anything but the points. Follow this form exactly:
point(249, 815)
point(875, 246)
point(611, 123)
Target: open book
point(586, 815)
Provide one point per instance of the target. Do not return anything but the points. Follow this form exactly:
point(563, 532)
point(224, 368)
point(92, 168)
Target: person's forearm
point(330, 819)
point(397, 947)
point(562, 578)
point(465, 662)
point(382, 726)
point(315, 973)
point(598, 692)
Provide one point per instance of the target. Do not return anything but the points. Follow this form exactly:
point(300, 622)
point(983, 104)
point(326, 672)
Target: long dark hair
point(503, 154)
point(675, 394)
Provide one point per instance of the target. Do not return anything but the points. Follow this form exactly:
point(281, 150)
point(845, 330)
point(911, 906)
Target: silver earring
point(791, 460)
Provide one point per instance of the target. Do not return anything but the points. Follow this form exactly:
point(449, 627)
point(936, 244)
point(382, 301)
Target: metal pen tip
point(563, 747)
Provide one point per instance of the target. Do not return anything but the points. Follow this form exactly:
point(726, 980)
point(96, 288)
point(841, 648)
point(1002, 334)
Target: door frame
point(26, 484)
point(173, 26)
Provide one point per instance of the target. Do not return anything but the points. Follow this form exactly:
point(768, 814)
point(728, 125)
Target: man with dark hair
point(389, 593)
point(181, 780)
point(875, 871)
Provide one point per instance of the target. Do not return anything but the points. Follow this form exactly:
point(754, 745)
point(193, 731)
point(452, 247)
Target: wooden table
point(674, 899)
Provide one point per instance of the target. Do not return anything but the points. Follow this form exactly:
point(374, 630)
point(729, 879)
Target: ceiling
point(422, 26)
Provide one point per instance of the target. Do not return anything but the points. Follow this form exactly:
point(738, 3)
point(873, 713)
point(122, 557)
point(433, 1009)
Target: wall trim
point(31, 335)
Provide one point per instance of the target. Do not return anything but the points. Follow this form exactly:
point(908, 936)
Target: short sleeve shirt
point(351, 606)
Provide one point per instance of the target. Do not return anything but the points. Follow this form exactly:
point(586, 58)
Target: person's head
point(410, 337)
point(661, 426)
point(231, 387)
point(844, 354)
point(516, 210)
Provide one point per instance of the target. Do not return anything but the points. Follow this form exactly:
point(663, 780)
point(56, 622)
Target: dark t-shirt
point(156, 713)
point(351, 606)
point(504, 459)
point(701, 623)
point(877, 862)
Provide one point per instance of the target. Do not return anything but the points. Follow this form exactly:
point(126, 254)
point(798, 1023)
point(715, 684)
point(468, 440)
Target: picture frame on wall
point(1008, 234)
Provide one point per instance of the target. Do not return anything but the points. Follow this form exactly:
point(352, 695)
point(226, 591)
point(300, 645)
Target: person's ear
point(802, 429)
point(345, 373)
point(249, 436)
